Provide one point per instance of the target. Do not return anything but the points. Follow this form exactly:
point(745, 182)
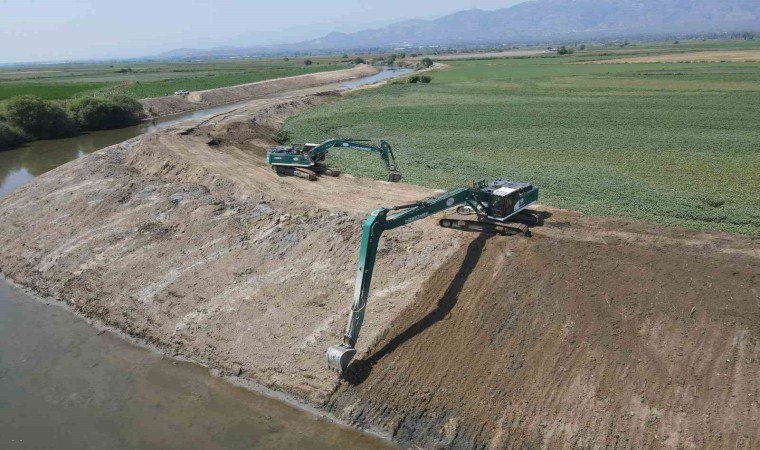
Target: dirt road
point(593, 333)
point(175, 104)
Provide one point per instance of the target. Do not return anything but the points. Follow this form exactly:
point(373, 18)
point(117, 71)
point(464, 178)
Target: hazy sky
point(37, 30)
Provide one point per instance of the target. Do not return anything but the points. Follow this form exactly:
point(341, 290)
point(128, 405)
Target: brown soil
point(708, 56)
point(175, 104)
point(593, 333)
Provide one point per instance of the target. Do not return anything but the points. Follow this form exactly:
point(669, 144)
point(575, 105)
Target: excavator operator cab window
point(503, 201)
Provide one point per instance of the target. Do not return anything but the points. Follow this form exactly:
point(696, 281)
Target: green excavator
point(308, 160)
point(499, 207)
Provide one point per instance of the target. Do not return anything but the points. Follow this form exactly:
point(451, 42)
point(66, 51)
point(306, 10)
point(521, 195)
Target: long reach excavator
point(500, 208)
point(308, 160)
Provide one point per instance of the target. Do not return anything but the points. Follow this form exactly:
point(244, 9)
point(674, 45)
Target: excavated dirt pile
point(593, 333)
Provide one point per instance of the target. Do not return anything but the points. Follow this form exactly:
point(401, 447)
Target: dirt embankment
point(175, 104)
point(206, 252)
point(593, 333)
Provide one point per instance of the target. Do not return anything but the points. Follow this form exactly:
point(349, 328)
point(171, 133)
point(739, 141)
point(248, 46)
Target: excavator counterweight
point(499, 207)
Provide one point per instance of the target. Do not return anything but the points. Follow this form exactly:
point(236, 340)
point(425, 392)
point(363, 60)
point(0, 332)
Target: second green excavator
point(308, 160)
point(499, 208)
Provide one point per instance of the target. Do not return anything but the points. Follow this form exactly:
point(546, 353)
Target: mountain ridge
point(531, 21)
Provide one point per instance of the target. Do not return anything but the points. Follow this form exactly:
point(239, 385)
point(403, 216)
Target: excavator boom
point(495, 205)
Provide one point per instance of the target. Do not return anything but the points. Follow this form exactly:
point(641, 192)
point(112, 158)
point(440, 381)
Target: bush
point(39, 118)
point(307, 62)
point(103, 114)
point(419, 79)
point(426, 62)
point(11, 137)
point(358, 60)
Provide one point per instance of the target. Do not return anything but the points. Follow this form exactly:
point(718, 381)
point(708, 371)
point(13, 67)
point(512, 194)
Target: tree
point(103, 114)
point(426, 62)
point(307, 62)
point(286, 59)
point(39, 118)
point(11, 137)
point(345, 56)
point(358, 60)
point(582, 47)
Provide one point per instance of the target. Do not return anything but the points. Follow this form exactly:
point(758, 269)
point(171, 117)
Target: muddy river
point(64, 384)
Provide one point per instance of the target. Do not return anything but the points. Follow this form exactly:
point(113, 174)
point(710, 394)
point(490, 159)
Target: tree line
point(26, 118)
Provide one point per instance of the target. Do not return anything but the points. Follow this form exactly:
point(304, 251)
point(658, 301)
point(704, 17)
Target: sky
point(52, 30)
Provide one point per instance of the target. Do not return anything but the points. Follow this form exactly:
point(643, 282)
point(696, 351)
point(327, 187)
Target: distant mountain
point(531, 21)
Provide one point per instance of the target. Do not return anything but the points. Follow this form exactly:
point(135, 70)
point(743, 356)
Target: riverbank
point(205, 253)
point(70, 383)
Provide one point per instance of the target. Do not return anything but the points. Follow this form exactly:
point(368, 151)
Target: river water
point(66, 385)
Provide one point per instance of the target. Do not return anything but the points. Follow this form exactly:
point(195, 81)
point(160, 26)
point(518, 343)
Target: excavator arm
point(499, 207)
point(339, 356)
point(319, 152)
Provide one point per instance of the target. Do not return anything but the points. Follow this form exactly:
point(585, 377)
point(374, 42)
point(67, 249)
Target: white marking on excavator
point(502, 191)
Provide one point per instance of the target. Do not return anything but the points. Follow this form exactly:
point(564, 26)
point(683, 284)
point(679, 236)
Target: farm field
point(143, 80)
point(674, 143)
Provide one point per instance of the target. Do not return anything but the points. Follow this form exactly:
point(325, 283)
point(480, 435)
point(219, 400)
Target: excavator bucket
point(394, 177)
point(339, 356)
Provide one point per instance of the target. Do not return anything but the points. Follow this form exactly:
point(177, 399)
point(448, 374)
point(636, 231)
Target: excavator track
point(485, 226)
point(324, 170)
point(299, 172)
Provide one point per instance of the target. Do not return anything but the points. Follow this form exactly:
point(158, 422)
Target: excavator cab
point(507, 198)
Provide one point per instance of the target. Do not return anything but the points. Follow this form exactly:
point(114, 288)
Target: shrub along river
point(64, 384)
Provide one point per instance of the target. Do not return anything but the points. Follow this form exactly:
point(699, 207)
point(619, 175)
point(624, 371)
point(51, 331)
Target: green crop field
point(675, 143)
point(146, 79)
